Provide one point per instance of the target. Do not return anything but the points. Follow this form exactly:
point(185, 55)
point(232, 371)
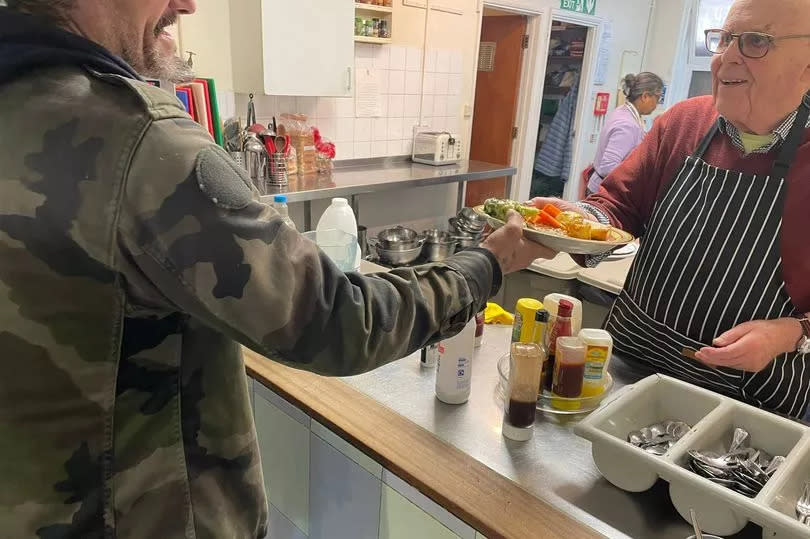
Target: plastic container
point(713, 417)
point(280, 205)
point(524, 378)
point(598, 351)
point(339, 246)
point(569, 373)
point(559, 326)
point(454, 369)
point(339, 216)
point(551, 302)
point(525, 311)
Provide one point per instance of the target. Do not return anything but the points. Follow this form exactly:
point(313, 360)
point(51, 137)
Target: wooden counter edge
point(490, 503)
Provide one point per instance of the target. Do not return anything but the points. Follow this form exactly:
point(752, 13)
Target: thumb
point(733, 335)
point(513, 218)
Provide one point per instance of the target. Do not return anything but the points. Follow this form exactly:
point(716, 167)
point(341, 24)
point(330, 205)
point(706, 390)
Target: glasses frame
point(739, 37)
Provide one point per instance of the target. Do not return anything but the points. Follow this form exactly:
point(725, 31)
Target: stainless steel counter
point(555, 466)
point(354, 178)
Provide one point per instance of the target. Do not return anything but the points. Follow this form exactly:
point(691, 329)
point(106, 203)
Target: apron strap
point(707, 139)
point(794, 140)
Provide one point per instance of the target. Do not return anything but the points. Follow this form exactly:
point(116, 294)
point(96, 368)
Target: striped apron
point(709, 261)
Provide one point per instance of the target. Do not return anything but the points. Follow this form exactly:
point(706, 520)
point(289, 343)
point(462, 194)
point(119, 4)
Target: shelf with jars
point(373, 21)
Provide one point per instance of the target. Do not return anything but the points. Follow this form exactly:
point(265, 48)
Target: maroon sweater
point(630, 192)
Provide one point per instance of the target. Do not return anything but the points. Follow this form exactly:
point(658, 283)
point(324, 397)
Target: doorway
point(497, 89)
point(558, 113)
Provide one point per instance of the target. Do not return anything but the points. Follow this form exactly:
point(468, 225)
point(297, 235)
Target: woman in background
point(624, 129)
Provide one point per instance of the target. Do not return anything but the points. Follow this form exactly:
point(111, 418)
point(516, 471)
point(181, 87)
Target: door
point(308, 47)
point(496, 99)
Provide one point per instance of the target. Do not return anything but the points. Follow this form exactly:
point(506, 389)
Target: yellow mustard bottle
point(598, 351)
point(525, 312)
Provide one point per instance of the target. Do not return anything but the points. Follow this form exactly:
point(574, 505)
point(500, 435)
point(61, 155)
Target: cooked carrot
point(546, 218)
point(552, 210)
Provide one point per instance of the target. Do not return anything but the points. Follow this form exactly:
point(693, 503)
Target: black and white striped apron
point(709, 261)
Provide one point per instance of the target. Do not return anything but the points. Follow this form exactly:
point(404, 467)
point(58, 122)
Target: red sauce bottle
point(560, 328)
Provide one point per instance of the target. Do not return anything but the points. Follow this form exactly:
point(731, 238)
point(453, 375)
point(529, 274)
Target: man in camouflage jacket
point(134, 263)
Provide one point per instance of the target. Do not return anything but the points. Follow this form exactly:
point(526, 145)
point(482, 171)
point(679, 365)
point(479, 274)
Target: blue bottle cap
point(280, 199)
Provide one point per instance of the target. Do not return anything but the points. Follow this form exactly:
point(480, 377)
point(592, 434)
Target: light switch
point(468, 111)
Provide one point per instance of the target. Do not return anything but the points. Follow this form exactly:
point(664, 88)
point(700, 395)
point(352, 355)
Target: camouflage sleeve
point(193, 238)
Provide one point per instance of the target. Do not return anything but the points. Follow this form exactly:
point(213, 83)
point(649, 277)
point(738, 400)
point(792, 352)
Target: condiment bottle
point(569, 373)
point(551, 303)
point(561, 327)
point(540, 330)
point(429, 356)
point(525, 367)
point(598, 351)
point(479, 329)
point(523, 328)
point(454, 370)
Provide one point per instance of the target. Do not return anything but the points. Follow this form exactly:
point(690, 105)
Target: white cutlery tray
point(720, 511)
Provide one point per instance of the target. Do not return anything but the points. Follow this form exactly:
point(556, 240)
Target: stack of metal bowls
point(467, 228)
point(398, 245)
point(438, 245)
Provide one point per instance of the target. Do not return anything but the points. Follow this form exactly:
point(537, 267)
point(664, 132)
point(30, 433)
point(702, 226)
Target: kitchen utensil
point(565, 244)
point(339, 246)
point(256, 162)
point(282, 144)
point(465, 241)
point(398, 257)
point(803, 505)
point(471, 217)
point(698, 533)
point(251, 111)
point(399, 238)
point(232, 133)
point(438, 245)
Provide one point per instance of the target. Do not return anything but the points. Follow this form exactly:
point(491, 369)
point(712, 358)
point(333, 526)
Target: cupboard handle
point(349, 72)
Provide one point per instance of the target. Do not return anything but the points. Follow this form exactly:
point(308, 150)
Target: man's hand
point(513, 251)
point(564, 205)
point(752, 346)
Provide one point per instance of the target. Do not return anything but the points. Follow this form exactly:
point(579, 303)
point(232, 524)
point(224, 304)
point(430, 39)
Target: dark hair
point(55, 10)
point(635, 86)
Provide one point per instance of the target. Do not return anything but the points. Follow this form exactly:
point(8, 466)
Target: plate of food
point(561, 231)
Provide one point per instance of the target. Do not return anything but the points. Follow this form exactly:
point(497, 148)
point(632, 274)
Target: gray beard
point(171, 68)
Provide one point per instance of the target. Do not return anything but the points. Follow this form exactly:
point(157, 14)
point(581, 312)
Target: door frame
point(532, 81)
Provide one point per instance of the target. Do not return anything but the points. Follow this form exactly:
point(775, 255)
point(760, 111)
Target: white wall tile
point(396, 106)
point(451, 124)
point(407, 127)
point(407, 147)
point(326, 107)
point(440, 106)
point(430, 61)
point(453, 105)
point(384, 106)
point(427, 121)
point(384, 76)
point(266, 105)
point(442, 83)
point(379, 129)
point(443, 61)
point(430, 84)
point(456, 62)
point(427, 106)
point(344, 150)
point(379, 148)
point(328, 127)
point(286, 104)
point(363, 63)
point(394, 147)
point(399, 58)
point(362, 150)
point(455, 84)
point(396, 82)
point(382, 57)
point(395, 129)
point(363, 50)
point(362, 130)
point(438, 123)
point(344, 107)
point(412, 105)
point(307, 106)
point(413, 81)
point(413, 60)
point(345, 130)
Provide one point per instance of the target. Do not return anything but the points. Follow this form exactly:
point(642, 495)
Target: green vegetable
point(498, 208)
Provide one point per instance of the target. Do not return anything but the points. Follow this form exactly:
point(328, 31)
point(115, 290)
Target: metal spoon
point(693, 516)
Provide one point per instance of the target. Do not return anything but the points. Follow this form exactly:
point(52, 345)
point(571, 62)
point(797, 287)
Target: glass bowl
point(548, 403)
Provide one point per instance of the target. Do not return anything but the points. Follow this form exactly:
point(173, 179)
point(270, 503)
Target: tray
point(546, 402)
point(564, 244)
point(720, 511)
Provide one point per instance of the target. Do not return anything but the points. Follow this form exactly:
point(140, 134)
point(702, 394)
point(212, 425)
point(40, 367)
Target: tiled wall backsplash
point(401, 77)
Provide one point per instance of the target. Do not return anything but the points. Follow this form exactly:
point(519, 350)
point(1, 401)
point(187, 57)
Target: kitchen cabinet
point(300, 48)
point(207, 34)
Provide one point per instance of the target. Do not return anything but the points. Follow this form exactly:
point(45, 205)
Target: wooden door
point(496, 97)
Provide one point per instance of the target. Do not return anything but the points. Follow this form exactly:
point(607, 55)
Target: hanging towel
point(554, 158)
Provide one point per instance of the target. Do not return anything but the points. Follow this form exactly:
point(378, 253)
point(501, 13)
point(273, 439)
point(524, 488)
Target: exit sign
point(587, 7)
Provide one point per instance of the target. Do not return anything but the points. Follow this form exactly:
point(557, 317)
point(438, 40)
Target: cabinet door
point(207, 34)
point(308, 47)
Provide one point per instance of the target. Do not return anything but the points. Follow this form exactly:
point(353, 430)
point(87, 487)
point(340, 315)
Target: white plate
point(564, 244)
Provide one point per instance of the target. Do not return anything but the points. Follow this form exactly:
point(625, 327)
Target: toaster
point(437, 148)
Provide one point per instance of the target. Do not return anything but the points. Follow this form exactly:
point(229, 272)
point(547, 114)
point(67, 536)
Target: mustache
point(168, 19)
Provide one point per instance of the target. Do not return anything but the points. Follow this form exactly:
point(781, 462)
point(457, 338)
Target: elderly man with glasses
point(719, 192)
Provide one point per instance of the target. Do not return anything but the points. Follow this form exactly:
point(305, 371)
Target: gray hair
point(635, 86)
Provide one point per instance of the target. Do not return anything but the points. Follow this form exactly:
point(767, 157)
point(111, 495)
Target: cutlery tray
point(713, 417)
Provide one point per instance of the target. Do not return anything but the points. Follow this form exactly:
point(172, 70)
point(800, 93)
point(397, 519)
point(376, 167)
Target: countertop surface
point(373, 176)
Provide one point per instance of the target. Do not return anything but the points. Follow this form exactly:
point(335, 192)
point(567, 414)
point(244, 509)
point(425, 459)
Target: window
point(710, 14)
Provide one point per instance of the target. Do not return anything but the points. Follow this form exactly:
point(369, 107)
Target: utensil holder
point(239, 158)
point(278, 169)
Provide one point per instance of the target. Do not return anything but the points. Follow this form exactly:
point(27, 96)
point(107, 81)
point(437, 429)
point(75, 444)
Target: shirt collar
point(780, 133)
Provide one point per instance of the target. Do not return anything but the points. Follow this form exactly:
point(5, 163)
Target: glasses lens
point(754, 45)
point(717, 40)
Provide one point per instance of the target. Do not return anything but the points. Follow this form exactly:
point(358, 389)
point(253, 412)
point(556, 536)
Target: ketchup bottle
point(560, 328)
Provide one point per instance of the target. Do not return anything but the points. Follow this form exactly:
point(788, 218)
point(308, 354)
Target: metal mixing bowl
point(438, 245)
point(399, 238)
point(400, 257)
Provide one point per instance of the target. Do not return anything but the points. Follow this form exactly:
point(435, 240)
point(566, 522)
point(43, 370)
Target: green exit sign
point(587, 7)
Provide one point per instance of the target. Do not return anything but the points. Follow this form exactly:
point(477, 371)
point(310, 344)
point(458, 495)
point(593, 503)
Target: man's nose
point(186, 7)
point(732, 54)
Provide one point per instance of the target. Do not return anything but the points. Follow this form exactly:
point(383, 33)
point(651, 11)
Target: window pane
point(711, 14)
point(701, 83)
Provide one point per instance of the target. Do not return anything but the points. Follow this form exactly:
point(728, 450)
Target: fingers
point(541, 202)
point(733, 335)
point(514, 225)
point(535, 250)
point(725, 356)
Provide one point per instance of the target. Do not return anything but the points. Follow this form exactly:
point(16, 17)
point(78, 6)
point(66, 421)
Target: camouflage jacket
point(134, 261)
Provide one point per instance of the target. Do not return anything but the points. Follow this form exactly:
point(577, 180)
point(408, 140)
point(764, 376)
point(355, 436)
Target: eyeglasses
point(752, 44)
